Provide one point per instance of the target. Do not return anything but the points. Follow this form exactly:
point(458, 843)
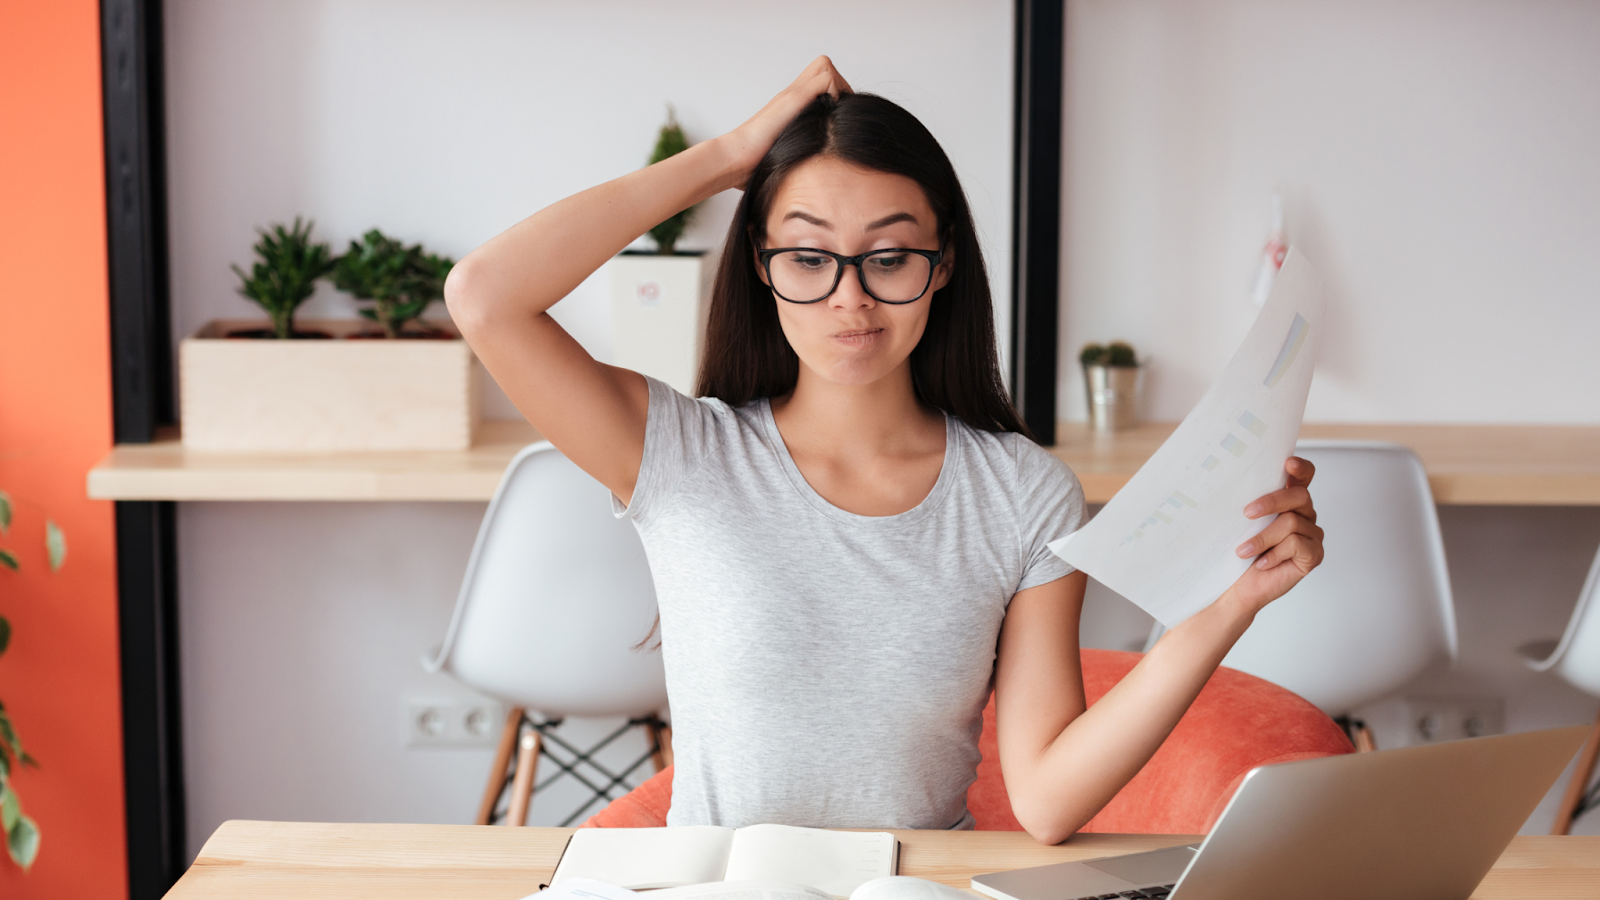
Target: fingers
point(823, 74)
point(1281, 529)
point(1303, 552)
point(1295, 499)
point(1300, 471)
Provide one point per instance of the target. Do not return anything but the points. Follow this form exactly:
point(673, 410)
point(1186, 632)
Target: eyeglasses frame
point(934, 257)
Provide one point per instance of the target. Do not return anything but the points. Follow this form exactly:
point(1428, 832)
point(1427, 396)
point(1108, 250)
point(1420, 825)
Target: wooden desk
point(246, 860)
point(1553, 465)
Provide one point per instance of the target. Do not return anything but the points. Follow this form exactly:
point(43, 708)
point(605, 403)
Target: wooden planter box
point(321, 395)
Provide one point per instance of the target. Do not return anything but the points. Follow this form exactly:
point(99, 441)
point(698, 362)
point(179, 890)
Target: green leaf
point(9, 561)
point(8, 735)
point(55, 544)
point(10, 811)
point(5, 634)
point(23, 842)
point(5, 512)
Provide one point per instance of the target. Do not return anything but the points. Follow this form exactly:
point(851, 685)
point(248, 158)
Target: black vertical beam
point(1036, 212)
point(152, 741)
point(136, 243)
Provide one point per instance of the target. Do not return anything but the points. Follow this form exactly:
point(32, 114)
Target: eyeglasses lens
point(894, 277)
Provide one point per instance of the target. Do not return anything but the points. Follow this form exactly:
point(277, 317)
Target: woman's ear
point(755, 257)
point(944, 271)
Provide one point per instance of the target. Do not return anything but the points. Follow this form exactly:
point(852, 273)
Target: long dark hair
point(954, 367)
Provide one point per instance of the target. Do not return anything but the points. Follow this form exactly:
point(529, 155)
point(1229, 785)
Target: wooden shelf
point(1509, 465)
point(1546, 465)
point(164, 470)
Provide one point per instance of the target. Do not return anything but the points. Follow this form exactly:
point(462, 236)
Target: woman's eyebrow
point(886, 221)
point(807, 217)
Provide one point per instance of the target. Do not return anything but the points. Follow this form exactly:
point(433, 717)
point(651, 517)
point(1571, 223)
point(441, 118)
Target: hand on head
point(1289, 548)
point(748, 143)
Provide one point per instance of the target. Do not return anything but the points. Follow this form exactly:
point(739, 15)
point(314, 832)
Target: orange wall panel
point(59, 679)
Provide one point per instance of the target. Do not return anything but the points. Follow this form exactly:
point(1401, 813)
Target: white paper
point(583, 889)
point(834, 862)
point(904, 887)
point(642, 858)
point(1166, 541)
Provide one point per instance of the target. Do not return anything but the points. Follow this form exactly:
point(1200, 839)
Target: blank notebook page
point(639, 858)
point(836, 862)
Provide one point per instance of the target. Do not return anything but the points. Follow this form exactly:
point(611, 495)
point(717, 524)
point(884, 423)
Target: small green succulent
point(284, 275)
point(670, 142)
point(400, 281)
point(1117, 355)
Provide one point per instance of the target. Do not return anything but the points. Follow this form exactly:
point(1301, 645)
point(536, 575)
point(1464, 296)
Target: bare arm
point(1062, 761)
point(500, 294)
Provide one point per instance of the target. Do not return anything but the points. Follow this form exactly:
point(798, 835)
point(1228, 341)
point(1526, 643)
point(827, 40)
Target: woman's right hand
point(747, 144)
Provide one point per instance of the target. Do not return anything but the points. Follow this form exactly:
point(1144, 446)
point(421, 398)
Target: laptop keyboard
point(1159, 892)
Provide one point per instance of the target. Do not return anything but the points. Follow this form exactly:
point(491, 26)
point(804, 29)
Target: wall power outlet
point(453, 723)
point(1432, 720)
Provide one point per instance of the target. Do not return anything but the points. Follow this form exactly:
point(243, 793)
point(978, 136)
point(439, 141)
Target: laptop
point(1418, 823)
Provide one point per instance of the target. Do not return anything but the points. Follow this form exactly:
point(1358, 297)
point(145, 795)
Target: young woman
point(847, 530)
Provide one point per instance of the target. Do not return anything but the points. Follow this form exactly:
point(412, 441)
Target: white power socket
point(453, 723)
point(1432, 720)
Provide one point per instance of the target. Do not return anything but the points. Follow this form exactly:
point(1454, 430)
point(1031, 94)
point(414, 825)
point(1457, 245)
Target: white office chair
point(556, 598)
point(1575, 659)
point(1378, 611)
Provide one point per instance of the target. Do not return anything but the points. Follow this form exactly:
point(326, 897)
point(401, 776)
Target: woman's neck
point(882, 417)
point(868, 449)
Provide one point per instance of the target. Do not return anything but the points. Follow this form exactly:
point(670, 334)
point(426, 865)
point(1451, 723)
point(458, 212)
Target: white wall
point(1438, 165)
point(445, 122)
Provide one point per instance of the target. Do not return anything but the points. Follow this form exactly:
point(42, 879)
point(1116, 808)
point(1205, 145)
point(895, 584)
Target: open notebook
point(833, 862)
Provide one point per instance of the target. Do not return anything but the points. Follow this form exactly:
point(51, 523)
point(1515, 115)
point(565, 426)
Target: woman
point(847, 532)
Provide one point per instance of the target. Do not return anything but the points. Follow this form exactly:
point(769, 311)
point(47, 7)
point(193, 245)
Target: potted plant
point(241, 394)
point(284, 275)
point(21, 832)
point(1111, 380)
point(658, 298)
point(399, 282)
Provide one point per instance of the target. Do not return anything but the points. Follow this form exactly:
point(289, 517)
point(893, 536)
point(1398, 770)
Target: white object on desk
point(1166, 540)
point(657, 311)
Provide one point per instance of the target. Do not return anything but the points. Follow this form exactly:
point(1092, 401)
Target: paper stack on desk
point(1166, 540)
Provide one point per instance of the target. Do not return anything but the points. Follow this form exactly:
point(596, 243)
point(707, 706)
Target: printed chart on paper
point(1166, 540)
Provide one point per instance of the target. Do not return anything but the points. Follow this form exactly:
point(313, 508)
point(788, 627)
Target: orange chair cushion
point(1238, 722)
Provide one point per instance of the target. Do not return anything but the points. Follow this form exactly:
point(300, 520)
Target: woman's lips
point(857, 337)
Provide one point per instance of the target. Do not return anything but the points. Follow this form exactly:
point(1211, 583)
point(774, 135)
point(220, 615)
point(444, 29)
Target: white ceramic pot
point(658, 310)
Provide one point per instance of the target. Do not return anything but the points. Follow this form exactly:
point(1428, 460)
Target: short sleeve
point(1050, 506)
point(678, 436)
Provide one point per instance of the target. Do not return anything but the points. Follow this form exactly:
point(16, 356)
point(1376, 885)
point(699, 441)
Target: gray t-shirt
point(824, 668)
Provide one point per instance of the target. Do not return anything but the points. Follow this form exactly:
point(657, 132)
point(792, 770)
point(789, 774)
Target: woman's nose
point(850, 294)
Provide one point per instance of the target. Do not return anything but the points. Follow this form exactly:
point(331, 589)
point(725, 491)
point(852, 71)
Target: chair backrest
point(556, 596)
point(1577, 656)
point(1378, 611)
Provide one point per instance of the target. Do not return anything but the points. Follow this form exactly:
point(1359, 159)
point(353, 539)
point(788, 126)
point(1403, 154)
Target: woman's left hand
point(1288, 549)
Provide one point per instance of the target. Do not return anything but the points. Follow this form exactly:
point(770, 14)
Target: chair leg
point(522, 783)
point(1579, 783)
point(661, 734)
point(1365, 742)
point(502, 760)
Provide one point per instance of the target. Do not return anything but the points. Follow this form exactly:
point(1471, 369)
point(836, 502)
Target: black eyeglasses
point(807, 275)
